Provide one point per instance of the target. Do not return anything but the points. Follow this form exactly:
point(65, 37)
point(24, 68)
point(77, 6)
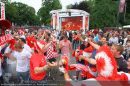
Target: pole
point(117, 22)
point(125, 11)
point(83, 22)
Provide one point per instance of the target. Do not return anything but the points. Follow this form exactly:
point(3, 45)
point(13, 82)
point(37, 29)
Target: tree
point(84, 5)
point(127, 16)
point(11, 12)
point(21, 14)
point(4, 1)
point(103, 14)
point(25, 13)
point(47, 6)
point(71, 6)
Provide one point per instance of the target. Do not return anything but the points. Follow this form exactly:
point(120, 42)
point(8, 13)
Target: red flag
point(78, 67)
point(12, 43)
point(106, 64)
point(1, 57)
point(65, 63)
point(121, 6)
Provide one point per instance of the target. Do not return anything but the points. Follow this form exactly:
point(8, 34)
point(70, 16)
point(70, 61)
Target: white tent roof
point(126, 26)
point(69, 10)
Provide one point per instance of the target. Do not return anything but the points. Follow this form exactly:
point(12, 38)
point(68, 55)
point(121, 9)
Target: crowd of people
point(31, 55)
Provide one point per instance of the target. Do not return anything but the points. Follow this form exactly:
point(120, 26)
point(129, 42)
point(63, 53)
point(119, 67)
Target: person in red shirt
point(39, 65)
point(37, 61)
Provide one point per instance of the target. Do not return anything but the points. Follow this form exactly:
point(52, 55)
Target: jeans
point(23, 76)
point(1, 80)
point(76, 43)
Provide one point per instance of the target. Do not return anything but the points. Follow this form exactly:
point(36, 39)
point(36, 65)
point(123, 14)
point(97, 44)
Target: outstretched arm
point(67, 77)
point(88, 59)
point(44, 49)
point(38, 70)
point(96, 46)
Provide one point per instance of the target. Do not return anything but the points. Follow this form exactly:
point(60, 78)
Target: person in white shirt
point(113, 39)
point(11, 65)
point(22, 57)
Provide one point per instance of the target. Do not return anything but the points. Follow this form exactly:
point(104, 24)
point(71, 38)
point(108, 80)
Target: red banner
point(5, 38)
point(2, 11)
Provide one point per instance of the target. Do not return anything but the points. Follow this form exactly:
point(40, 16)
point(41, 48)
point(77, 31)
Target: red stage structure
point(70, 19)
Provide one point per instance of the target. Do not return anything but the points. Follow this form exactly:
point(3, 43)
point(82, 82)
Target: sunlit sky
point(37, 3)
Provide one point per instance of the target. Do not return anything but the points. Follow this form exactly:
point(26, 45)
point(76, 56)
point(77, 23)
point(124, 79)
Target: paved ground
point(53, 75)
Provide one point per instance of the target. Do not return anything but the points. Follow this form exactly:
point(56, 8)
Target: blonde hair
point(119, 48)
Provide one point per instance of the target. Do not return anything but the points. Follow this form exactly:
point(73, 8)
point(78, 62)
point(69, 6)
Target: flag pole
point(125, 11)
point(117, 22)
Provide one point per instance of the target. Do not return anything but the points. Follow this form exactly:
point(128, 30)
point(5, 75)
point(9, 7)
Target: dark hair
point(75, 33)
point(65, 36)
point(23, 40)
point(47, 38)
point(100, 43)
point(49, 34)
point(82, 46)
point(61, 38)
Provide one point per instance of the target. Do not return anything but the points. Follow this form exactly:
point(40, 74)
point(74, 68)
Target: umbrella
point(126, 26)
point(5, 24)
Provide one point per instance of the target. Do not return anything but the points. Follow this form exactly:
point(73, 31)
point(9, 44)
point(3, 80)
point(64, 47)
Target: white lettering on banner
point(2, 11)
point(5, 38)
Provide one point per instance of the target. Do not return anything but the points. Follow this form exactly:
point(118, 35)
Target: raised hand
point(53, 64)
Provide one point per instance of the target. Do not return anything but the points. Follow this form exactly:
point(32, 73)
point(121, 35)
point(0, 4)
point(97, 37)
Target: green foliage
point(84, 5)
point(47, 6)
point(21, 14)
point(104, 14)
point(11, 12)
point(127, 16)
